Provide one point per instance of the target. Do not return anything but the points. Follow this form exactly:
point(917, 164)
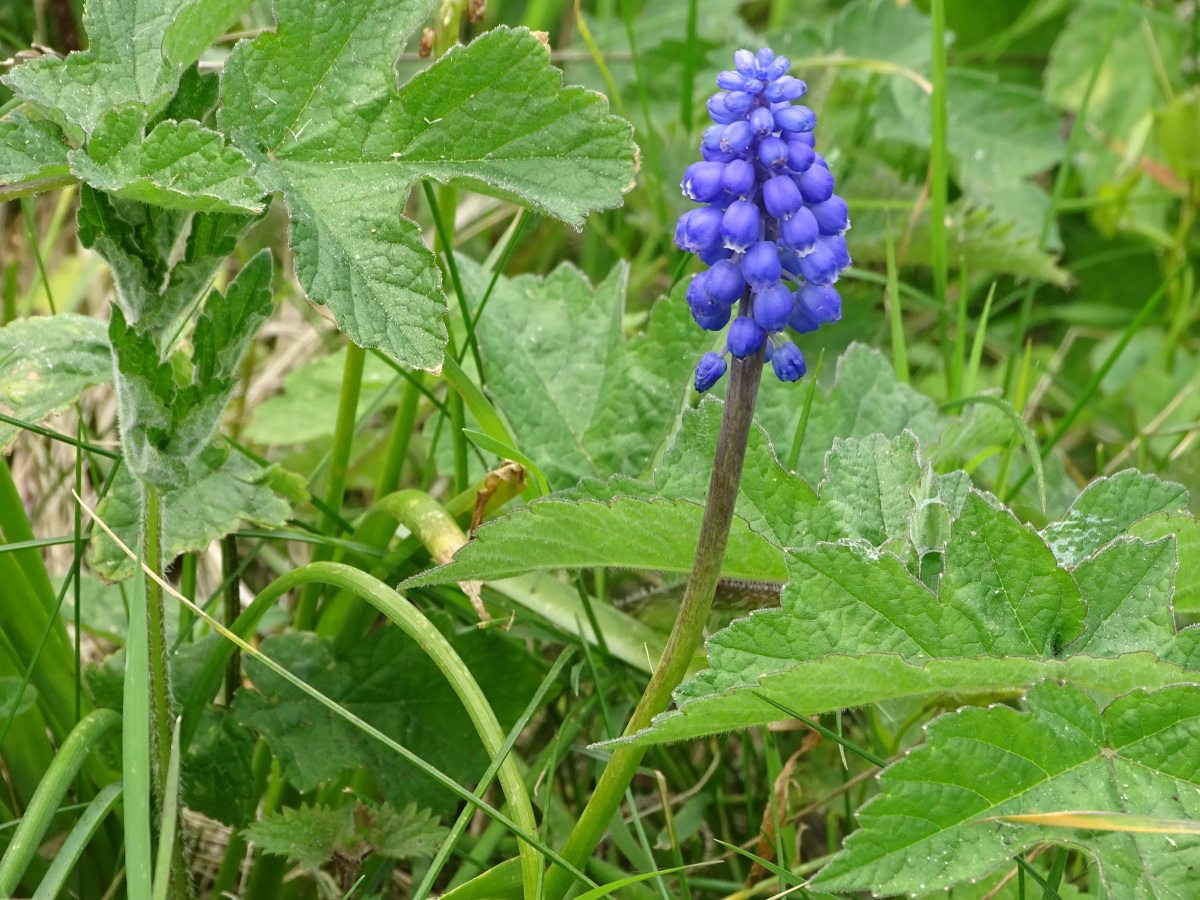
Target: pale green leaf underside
point(922, 833)
point(179, 165)
point(625, 532)
point(582, 399)
point(315, 106)
point(123, 64)
point(30, 148)
point(844, 682)
point(224, 491)
point(45, 363)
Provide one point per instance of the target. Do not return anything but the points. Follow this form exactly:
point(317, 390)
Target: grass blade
point(72, 849)
point(54, 785)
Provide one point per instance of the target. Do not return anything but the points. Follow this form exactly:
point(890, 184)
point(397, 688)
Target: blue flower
point(771, 228)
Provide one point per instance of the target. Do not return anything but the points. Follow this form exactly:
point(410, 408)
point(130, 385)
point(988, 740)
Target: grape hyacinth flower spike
point(771, 229)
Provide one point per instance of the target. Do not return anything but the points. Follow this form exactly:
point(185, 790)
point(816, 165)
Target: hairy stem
point(159, 672)
point(689, 624)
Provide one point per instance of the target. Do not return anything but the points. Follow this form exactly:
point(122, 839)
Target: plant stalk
point(158, 670)
point(689, 624)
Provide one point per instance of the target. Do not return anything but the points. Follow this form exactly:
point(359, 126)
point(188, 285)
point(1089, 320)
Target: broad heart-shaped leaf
point(625, 532)
point(45, 363)
point(179, 165)
point(223, 491)
point(164, 424)
point(390, 682)
point(30, 148)
point(923, 832)
point(124, 63)
point(138, 240)
point(842, 682)
point(582, 400)
point(865, 399)
point(314, 104)
point(1107, 508)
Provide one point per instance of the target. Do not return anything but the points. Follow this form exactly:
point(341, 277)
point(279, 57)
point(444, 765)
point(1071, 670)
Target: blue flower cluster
point(770, 217)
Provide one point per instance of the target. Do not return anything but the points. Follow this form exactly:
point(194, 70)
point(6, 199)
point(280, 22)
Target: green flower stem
point(689, 623)
point(403, 426)
point(159, 673)
point(339, 465)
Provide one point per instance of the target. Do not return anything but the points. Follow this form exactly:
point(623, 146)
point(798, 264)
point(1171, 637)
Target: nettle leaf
point(137, 241)
point(1128, 588)
point(1063, 754)
point(843, 682)
point(315, 105)
point(30, 148)
point(313, 836)
point(624, 532)
point(178, 165)
point(776, 503)
point(390, 682)
point(1001, 594)
point(999, 135)
point(223, 491)
point(124, 63)
point(1186, 529)
point(865, 399)
point(1107, 508)
point(583, 400)
point(163, 424)
point(218, 769)
point(45, 364)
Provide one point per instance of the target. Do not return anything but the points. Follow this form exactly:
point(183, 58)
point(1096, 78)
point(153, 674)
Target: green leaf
point(164, 424)
point(624, 532)
point(1002, 578)
point(842, 682)
point(775, 503)
point(583, 400)
point(306, 410)
point(15, 698)
point(315, 106)
point(391, 683)
point(178, 165)
point(199, 24)
point(1187, 544)
point(866, 486)
point(222, 492)
point(45, 363)
point(313, 836)
point(30, 148)
point(124, 63)
point(138, 243)
point(1062, 754)
point(1000, 134)
point(1107, 508)
point(307, 836)
point(218, 770)
point(1127, 586)
point(865, 399)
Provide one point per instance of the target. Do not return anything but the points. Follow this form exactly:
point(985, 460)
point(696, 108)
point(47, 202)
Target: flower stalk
point(688, 630)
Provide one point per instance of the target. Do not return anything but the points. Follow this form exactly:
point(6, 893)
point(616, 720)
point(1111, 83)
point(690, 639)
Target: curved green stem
point(416, 626)
point(689, 624)
point(44, 804)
